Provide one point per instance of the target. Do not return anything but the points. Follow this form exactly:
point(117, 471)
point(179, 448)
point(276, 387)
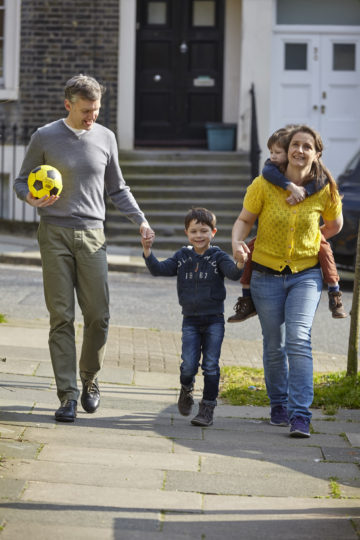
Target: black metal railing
point(13, 140)
point(255, 149)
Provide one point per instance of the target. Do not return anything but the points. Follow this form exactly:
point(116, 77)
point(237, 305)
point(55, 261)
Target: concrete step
point(180, 155)
point(183, 192)
point(173, 216)
point(183, 205)
point(202, 180)
point(191, 167)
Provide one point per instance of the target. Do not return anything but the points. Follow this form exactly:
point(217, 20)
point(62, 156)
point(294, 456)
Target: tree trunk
point(353, 350)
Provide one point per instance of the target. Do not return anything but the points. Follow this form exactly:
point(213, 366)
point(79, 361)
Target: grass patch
point(335, 491)
point(246, 386)
point(3, 319)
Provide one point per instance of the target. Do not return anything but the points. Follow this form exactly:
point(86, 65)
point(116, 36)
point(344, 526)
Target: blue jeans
point(286, 306)
point(204, 335)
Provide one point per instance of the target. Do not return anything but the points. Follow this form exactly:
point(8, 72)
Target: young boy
point(200, 270)
point(273, 172)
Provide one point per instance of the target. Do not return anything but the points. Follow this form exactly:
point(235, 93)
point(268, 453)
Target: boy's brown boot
point(335, 305)
point(244, 309)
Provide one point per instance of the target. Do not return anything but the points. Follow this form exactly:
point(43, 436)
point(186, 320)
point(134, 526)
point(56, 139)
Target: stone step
point(173, 216)
point(180, 155)
point(201, 180)
point(213, 204)
point(167, 183)
point(183, 192)
point(153, 167)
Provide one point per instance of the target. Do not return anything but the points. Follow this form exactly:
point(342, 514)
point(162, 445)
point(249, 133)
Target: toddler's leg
point(331, 278)
point(244, 307)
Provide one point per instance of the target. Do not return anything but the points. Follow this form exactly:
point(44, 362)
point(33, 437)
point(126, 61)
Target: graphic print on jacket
point(200, 278)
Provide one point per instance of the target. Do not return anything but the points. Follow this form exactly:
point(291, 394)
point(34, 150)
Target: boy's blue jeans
point(202, 334)
point(286, 306)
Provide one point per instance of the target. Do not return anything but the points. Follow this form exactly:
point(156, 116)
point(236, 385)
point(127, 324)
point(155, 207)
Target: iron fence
point(13, 142)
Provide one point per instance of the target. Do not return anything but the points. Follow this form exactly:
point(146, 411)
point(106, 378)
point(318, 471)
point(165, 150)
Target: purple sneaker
point(300, 426)
point(279, 416)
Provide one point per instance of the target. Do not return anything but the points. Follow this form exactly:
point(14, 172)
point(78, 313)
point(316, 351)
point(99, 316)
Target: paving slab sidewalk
point(138, 470)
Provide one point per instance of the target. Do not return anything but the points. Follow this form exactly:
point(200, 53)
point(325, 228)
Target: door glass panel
point(203, 13)
point(156, 13)
point(296, 56)
point(344, 56)
point(344, 12)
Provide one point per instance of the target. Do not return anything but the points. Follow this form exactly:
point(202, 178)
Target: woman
point(286, 280)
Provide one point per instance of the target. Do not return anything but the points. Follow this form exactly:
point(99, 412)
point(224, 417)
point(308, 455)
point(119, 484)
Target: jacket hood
point(210, 251)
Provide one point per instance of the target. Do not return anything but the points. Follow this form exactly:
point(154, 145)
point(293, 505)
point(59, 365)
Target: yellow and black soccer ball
point(45, 180)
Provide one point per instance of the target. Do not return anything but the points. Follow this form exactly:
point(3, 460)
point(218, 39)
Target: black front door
point(179, 66)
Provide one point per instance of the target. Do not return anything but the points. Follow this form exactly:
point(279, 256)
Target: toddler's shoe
point(244, 309)
point(186, 401)
point(335, 305)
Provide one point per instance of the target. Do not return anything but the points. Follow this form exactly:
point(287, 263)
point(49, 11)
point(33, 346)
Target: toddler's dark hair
point(200, 215)
point(279, 137)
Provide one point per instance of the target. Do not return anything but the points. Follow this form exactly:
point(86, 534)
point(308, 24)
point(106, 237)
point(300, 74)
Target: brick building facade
point(60, 38)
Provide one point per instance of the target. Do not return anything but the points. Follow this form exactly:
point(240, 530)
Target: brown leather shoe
point(244, 308)
point(335, 305)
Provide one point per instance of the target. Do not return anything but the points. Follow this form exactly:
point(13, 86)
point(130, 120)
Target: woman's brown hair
point(319, 173)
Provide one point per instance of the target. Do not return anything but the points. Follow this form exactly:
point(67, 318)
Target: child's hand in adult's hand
point(43, 202)
point(241, 253)
point(147, 244)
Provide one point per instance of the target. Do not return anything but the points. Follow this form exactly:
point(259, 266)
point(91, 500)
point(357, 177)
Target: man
point(71, 236)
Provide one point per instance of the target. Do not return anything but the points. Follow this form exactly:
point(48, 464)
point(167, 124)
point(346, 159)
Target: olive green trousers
point(74, 261)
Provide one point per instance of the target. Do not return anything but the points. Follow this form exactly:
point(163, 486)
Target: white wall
point(232, 47)
point(255, 67)
point(126, 74)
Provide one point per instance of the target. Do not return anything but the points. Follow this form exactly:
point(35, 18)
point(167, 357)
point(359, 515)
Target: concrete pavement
point(136, 469)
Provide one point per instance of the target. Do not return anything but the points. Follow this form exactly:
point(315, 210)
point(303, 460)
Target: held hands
point(298, 194)
point(240, 253)
point(43, 202)
point(147, 238)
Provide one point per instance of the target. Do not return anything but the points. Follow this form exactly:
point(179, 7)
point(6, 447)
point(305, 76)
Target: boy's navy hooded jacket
point(200, 278)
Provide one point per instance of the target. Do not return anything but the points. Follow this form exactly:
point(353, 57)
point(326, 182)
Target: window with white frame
point(9, 48)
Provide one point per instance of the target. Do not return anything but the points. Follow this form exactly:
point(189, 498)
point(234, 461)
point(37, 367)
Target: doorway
point(317, 82)
point(179, 71)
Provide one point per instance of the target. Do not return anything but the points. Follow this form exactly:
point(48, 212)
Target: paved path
point(138, 470)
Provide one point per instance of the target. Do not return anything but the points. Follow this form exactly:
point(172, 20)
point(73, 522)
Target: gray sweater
point(88, 165)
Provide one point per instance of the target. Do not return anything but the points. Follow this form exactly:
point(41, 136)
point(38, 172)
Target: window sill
point(8, 94)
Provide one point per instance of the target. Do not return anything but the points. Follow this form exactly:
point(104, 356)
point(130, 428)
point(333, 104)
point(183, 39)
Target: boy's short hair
point(280, 137)
point(200, 215)
point(83, 86)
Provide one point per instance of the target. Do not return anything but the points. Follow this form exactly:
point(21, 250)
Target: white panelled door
point(316, 81)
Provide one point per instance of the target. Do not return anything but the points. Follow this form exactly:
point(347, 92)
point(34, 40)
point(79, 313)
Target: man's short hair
point(83, 86)
point(200, 215)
